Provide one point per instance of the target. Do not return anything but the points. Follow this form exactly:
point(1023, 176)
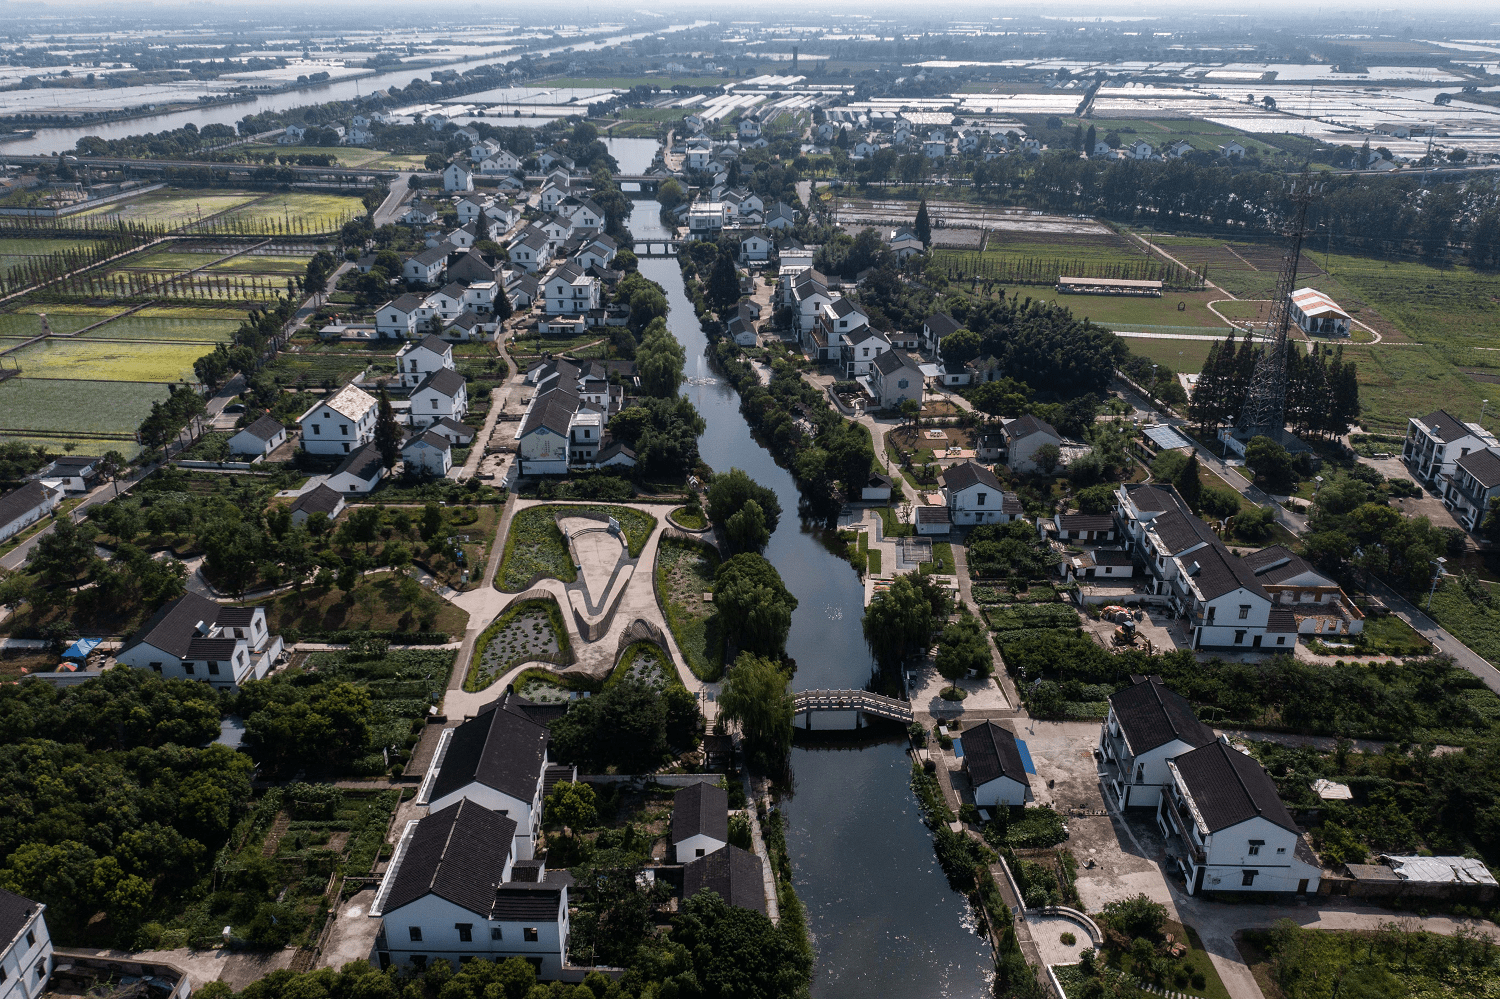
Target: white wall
point(25, 958)
point(1002, 791)
point(437, 919)
point(688, 849)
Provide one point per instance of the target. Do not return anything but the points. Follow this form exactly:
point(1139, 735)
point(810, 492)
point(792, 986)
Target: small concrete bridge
point(647, 182)
point(857, 703)
point(656, 248)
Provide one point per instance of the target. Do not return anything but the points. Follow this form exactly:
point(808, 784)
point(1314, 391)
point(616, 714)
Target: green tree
point(753, 607)
point(1189, 485)
point(756, 695)
point(319, 269)
point(432, 521)
point(963, 649)
point(659, 360)
point(899, 622)
point(1046, 457)
point(624, 726)
point(960, 347)
point(669, 194)
point(1270, 462)
point(572, 806)
point(387, 432)
point(731, 490)
point(922, 229)
point(746, 529)
point(64, 553)
point(723, 283)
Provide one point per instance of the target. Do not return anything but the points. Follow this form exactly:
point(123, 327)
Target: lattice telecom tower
point(1264, 413)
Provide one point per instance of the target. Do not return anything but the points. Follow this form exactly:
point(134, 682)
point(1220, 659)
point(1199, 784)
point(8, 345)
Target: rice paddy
point(90, 360)
point(66, 406)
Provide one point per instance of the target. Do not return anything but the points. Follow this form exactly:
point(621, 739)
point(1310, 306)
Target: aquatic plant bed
point(648, 663)
point(528, 630)
point(1012, 617)
point(684, 573)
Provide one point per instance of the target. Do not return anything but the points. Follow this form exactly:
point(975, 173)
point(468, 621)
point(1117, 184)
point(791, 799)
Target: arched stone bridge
point(862, 702)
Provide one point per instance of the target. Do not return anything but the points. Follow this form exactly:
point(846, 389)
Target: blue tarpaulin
point(1026, 757)
point(80, 649)
point(958, 748)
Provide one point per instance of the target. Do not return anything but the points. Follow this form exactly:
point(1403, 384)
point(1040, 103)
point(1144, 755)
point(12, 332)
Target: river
point(879, 908)
point(57, 140)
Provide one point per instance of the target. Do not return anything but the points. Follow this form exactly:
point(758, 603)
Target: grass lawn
point(528, 630)
point(173, 207)
point(693, 520)
point(1181, 356)
point(375, 605)
point(1195, 958)
point(343, 155)
point(399, 161)
point(1177, 308)
point(1388, 635)
point(1476, 625)
point(1396, 382)
point(684, 573)
point(317, 212)
point(536, 547)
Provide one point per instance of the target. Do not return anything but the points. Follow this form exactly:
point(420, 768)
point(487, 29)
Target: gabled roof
point(431, 342)
point(1277, 564)
point(1227, 787)
point(407, 303)
point(569, 272)
point(1179, 531)
point(892, 361)
point(990, 752)
point(444, 381)
point(351, 401)
point(1220, 572)
point(462, 429)
point(1024, 426)
point(518, 900)
point(1085, 522)
point(458, 854)
point(1154, 499)
point(733, 874)
point(1445, 426)
point(498, 748)
point(430, 439)
point(265, 428)
point(453, 290)
point(844, 306)
point(614, 448)
point(533, 239)
point(1483, 465)
point(700, 810)
point(941, 324)
point(552, 409)
point(364, 463)
point(1151, 714)
point(970, 473)
point(434, 254)
point(15, 913)
point(173, 628)
point(319, 499)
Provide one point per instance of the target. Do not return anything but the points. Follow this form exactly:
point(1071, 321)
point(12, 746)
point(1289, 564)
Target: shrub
point(1068, 939)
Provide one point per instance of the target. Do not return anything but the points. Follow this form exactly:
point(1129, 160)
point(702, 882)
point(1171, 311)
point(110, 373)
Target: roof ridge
point(1238, 777)
point(1156, 692)
point(447, 841)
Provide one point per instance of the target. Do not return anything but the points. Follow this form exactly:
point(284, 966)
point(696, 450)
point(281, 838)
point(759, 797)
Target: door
point(1302, 887)
point(1256, 643)
point(1198, 881)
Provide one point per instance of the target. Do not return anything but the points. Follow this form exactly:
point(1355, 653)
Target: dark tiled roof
point(171, 629)
point(443, 380)
point(1105, 556)
point(733, 874)
point(700, 810)
point(878, 480)
point(319, 499)
point(1086, 522)
point(1148, 498)
point(1483, 465)
point(363, 463)
point(211, 648)
point(892, 361)
point(1180, 531)
point(1281, 620)
point(616, 447)
point(1011, 504)
point(15, 913)
point(933, 515)
point(940, 324)
point(555, 774)
point(553, 409)
point(968, 474)
point(406, 303)
point(235, 617)
point(19, 502)
point(1025, 426)
point(1445, 426)
point(430, 439)
point(530, 900)
point(461, 429)
point(457, 854)
point(1152, 714)
point(1220, 572)
point(1276, 564)
point(1229, 788)
point(990, 752)
point(435, 343)
point(434, 254)
point(264, 428)
point(497, 748)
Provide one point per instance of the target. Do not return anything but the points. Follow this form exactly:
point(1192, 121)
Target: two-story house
point(26, 957)
point(417, 360)
point(893, 379)
point(398, 318)
point(859, 349)
point(427, 267)
point(935, 328)
point(443, 393)
point(25, 505)
point(497, 759)
point(530, 249)
point(1474, 483)
point(340, 423)
point(457, 178)
point(427, 454)
point(194, 638)
point(1435, 442)
point(1317, 603)
point(569, 291)
point(456, 890)
point(1024, 437)
point(1227, 828)
point(974, 496)
point(1148, 724)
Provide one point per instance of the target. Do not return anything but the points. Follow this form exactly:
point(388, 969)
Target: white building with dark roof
point(997, 769)
point(1024, 437)
point(25, 505)
point(318, 499)
point(1148, 724)
point(340, 423)
point(1317, 603)
point(359, 473)
point(1435, 442)
point(441, 394)
point(427, 454)
point(398, 317)
point(937, 326)
point(894, 378)
point(26, 957)
point(700, 821)
point(194, 638)
point(1474, 483)
point(1227, 829)
point(737, 876)
point(259, 438)
point(974, 496)
point(457, 890)
point(415, 361)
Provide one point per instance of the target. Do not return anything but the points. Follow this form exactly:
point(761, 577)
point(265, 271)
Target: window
point(30, 938)
point(1244, 611)
point(1248, 878)
point(41, 970)
point(434, 404)
point(156, 667)
point(343, 429)
point(346, 447)
point(495, 933)
point(416, 933)
point(1281, 849)
point(3, 975)
point(529, 934)
point(1211, 609)
point(1239, 636)
point(317, 430)
point(979, 498)
point(188, 668)
point(465, 932)
point(1255, 845)
point(213, 668)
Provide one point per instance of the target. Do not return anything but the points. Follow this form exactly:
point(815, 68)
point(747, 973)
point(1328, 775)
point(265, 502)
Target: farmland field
point(254, 263)
point(1182, 356)
point(314, 212)
point(66, 406)
point(399, 161)
point(1398, 382)
point(15, 252)
point(138, 327)
point(91, 361)
point(344, 155)
point(170, 207)
point(1123, 312)
point(29, 324)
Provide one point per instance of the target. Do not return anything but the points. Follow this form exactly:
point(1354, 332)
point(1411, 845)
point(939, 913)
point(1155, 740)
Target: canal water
point(883, 919)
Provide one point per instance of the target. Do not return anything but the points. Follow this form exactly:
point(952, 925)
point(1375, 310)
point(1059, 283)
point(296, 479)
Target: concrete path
point(758, 842)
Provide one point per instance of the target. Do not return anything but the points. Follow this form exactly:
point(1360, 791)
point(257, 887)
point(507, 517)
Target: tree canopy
point(754, 608)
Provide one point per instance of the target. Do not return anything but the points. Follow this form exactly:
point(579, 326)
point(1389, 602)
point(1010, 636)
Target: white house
point(457, 178)
point(26, 961)
point(1227, 828)
point(1317, 603)
point(877, 488)
point(859, 349)
point(599, 251)
point(340, 423)
point(993, 757)
point(457, 890)
point(426, 267)
point(359, 473)
point(781, 216)
point(700, 821)
point(398, 318)
point(259, 438)
point(530, 249)
point(455, 433)
point(935, 328)
point(1316, 313)
point(428, 454)
point(415, 361)
point(974, 495)
point(443, 393)
point(903, 242)
point(471, 208)
point(1474, 482)
point(72, 473)
point(1024, 436)
point(418, 213)
point(569, 291)
point(749, 128)
point(194, 638)
point(1140, 149)
point(293, 135)
point(1435, 443)
point(24, 506)
point(1084, 527)
point(557, 430)
point(1232, 149)
point(1148, 724)
point(498, 162)
point(934, 149)
point(318, 499)
point(894, 378)
point(755, 248)
point(497, 759)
